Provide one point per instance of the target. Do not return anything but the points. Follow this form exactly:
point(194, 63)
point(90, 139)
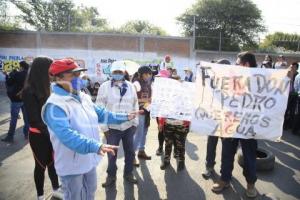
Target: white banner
point(239, 102)
point(172, 99)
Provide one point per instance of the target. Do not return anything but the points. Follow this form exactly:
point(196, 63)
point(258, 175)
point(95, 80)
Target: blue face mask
point(78, 83)
point(117, 77)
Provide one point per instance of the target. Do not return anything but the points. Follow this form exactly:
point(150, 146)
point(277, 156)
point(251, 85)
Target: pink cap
point(163, 73)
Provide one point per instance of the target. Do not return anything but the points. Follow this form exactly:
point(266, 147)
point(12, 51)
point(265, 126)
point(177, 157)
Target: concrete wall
point(98, 41)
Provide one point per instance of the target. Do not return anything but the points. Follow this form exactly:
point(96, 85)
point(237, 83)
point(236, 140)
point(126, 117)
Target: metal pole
point(220, 42)
point(194, 32)
point(69, 23)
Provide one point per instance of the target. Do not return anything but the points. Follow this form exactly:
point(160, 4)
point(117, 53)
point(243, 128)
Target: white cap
point(187, 69)
point(118, 66)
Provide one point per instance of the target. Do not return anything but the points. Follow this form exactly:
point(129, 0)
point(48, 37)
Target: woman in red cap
point(73, 123)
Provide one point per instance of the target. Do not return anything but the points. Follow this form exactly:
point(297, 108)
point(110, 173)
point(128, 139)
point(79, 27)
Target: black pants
point(43, 155)
point(211, 146)
point(229, 148)
point(289, 116)
point(296, 124)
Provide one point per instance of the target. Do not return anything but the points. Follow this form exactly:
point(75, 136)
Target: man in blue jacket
point(72, 120)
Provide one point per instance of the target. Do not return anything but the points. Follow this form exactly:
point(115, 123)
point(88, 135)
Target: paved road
point(16, 171)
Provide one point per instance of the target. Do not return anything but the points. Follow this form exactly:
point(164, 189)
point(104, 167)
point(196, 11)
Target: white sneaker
point(58, 193)
point(41, 197)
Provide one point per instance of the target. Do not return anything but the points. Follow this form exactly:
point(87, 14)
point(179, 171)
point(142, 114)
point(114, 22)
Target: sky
point(278, 15)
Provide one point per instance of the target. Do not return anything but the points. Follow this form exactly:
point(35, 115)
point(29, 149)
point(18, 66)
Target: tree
point(60, 15)
point(141, 27)
point(281, 40)
point(237, 21)
point(6, 22)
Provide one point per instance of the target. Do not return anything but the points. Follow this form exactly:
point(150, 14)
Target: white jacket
point(110, 98)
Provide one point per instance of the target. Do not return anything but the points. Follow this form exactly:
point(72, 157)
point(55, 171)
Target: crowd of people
point(62, 112)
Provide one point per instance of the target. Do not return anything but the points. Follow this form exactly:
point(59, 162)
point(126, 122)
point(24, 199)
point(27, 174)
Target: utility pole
point(220, 42)
point(194, 32)
point(69, 23)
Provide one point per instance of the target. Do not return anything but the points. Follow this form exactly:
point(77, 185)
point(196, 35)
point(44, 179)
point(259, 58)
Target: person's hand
point(106, 148)
point(133, 115)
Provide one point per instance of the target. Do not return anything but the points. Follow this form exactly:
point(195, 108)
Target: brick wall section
point(111, 42)
point(102, 41)
point(167, 45)
point(18, 40)
point(65, 41)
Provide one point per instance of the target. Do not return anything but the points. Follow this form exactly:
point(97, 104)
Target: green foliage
point(239, 22)
point(281, 40)
point(141, 27)
point(60, 15)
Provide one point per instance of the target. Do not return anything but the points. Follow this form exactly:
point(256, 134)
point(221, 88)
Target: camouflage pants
point(175, 134)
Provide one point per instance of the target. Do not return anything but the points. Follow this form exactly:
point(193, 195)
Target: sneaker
point(208, 172)
point(180, 166)
point(220, 186)
point(41, 197)
point(130, 178)
point(7, 139)
point(58, 193)
point(143, 155)
point(251, 191)
point(159, 151)
point(109, 181)
point(136, 163)
point(164, 165)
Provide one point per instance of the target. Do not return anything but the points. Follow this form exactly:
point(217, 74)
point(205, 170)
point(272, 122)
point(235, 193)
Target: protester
point(14, 84)
point(281, 63)
point(144, 92)
point(189, 76)
point(119, 95)
point(212, 142)
point(167, 63)
point(86, 84)
point(175, 132)
point(35, 93)
point(296, 126)
point(249, 147)
point(268, 59)
point(266, 64)
point(72, 120)
point(161, 138)
point(292, 100)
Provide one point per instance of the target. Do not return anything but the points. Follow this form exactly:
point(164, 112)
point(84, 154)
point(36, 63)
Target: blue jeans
point(211, 146)
point(229, 148)
point(15, 108)
point(140, 134)
point(80, 187)
point(114, 137)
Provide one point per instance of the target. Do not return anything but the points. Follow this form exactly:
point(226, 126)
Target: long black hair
point(38, 79)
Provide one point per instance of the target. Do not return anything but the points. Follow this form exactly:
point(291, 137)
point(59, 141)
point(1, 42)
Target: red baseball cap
point(64, 65)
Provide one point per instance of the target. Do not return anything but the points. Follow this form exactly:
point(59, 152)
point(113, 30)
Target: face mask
point(117, 77)
point(78, 83)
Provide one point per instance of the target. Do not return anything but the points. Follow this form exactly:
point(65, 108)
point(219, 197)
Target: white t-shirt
point(137, 86)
